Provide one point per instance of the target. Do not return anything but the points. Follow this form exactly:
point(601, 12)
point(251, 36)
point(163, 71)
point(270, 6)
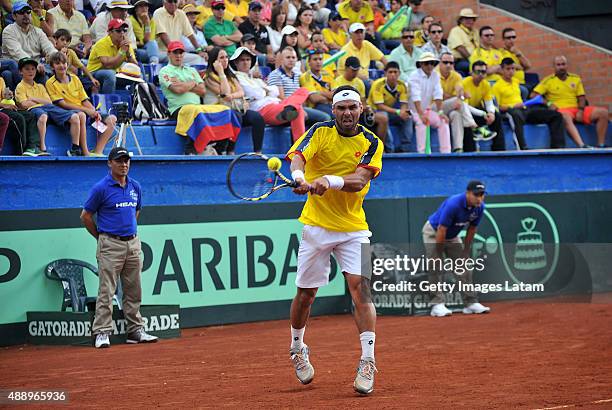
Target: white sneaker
point(301, 362)
point(364, 382)
point(140, 336)
point(102, 341)
point(439, 310)
point(475, 308)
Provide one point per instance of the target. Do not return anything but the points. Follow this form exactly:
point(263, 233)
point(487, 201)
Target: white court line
point(565, 406)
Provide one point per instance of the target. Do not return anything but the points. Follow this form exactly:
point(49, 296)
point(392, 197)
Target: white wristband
point(298, 173)
point(335, 182)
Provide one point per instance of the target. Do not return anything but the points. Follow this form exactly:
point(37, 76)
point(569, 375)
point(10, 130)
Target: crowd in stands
point(276, 62)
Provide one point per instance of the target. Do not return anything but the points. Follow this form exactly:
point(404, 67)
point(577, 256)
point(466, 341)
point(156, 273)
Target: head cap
point(119, 152)
point(477, 187)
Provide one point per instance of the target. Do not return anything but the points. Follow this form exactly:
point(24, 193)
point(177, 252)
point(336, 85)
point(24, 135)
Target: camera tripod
point(123, 118)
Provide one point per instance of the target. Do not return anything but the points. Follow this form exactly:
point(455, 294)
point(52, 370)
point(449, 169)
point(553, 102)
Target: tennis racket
point(250, 178)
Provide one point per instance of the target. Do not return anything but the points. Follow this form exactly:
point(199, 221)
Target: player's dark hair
point(392, 64)
point(344, 88)
point(62, 32)
point(507, 30)
point(483, 28)
point(478, 63)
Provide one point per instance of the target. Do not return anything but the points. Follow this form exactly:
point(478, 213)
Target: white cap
point(356, 26)
point(287, 30)
point(311, 2)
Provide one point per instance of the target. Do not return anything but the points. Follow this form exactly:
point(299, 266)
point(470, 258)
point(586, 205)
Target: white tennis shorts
point(316, 247)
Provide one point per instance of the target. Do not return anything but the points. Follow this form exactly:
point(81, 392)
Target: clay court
point(523, 355)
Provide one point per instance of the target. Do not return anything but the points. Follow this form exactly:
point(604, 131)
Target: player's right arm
point(297, 172)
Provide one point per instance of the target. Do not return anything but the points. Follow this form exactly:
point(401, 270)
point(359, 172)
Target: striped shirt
point(280, 78)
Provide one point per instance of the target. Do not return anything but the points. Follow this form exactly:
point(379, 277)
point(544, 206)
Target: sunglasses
point(407, 37)
point(436, 32)
point(178, 52)
point(219, 8)
point(22, 12)
point(120, 30)
point(510, 38)
point(172, 1)
point(448, 62)
point(481, 72)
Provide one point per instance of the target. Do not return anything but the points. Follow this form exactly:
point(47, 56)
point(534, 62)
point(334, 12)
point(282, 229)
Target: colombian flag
point(206, 123)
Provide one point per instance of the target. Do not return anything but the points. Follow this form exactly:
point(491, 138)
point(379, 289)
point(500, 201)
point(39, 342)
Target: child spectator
point(62, 39)
point(66, 91)
point(23, 121)
point(34, 97)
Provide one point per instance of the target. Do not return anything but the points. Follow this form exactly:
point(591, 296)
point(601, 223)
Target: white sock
point(297, 337)
point(368, 339)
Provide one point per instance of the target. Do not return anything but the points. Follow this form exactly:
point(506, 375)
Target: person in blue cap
point(441, 239)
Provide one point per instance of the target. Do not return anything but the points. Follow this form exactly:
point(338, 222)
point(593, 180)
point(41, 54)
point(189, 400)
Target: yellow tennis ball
point(274, 164)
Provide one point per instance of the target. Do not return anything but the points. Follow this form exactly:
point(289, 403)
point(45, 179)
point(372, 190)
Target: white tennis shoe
point(439, 310)
point(476, 308)
point(303, 369)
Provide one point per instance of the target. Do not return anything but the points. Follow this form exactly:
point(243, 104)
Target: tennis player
point(334, 163)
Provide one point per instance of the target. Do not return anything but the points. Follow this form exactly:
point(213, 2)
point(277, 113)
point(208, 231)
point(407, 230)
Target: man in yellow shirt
point(362, 49)
point(389, 97)
point(565, 92)
point(477, 92)
point(463, 39)
point(336, 35)
point(510, 49)
point(108, 54)
point(488, 53)
point(333, 163)
point(360, 11)
point(318, 82)
point(508, 96)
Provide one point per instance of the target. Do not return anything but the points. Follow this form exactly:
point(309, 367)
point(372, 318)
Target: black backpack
point(147, 104)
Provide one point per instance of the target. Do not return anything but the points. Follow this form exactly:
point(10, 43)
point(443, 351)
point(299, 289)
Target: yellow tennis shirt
point(564, 94)
point(382, 93)
point(326, 152)
point(507, 94)
point(478, 94)
point(71, 92)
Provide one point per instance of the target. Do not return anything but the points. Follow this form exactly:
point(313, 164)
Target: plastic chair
point(70, 273)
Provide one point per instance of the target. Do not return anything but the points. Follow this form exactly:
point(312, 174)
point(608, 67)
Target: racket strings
point(251, 178)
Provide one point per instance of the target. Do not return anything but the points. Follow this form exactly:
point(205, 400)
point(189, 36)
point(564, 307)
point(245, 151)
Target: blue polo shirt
point(115, 205)
point(455, 215)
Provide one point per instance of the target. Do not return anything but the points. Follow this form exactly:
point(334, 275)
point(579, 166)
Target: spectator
point(406, 55)
point(288, 81)
point(421, 36)
point(488, 53)
point(62, 39)
point(321, 13)
point(304, 24)
point(318, 43)
point(292, 9)
point(117, 9)
point(171, 25)
point(220, 32)
point(454, 106)
point(290, 39)
point(389, 97)
point(362, 49)
point(478, 95)
point(144, 30)
point(252, 25)
point(223, 87)
point(379, 14)
point(67, 17)
point(565, 93)
point(183, 87)
point(206, 13)
point(192, 14)
point(239, 8)
point(418, 13)
point(508, 95)
point(521, 62)
point(4, 124)
point(425, 90)
point(40, 18)
point(318, 82)
point(266, 12)
point(352, 66)
point(67, 92)
point(279, 20)
point(463, 39)
point(359, 11)
point(34, 97)
point(393, 32)
point(335, 35)
point(434, 45)
point(248, 41)
point(108, 54)
point(22, 40)
point(264, 98)
point(22, 123)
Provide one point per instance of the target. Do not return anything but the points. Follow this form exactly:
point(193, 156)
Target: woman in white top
point(264, 98)
point(279, 21)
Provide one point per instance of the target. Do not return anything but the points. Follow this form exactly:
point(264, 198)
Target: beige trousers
point(458, 119)
point(118, 260)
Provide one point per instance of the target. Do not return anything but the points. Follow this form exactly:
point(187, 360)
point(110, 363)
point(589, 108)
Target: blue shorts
point(57, 114)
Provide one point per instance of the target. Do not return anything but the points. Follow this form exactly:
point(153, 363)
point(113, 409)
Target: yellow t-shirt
point(419, 38)
point(103, 48)
point(519, 74)
point(357, 84)
point(73, 59)
point(461, 36)
point(25, 91)
point(564, 94)
point(507, 94)
point(71, 92)
point(36, 19)
point(492, 57)
point(139, 30)
point(365, 54)
point(364, 15)
point(381, 93)
point(340, 39)
point(328, 153)
point(241, 9)
point(308, 81)
point(449, 85)
point(478, 94)
point(206, 13)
